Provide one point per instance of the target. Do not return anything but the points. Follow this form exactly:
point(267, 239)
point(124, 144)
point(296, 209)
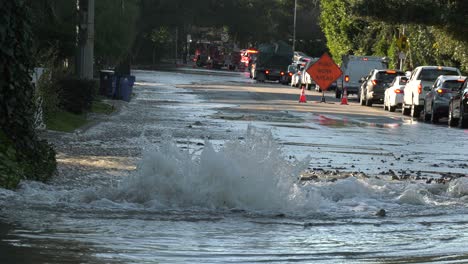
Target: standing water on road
point(239, 200)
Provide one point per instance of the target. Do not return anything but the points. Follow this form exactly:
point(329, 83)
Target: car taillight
point(442, 91)
point(290, 73)
point(419, 88)
point(374, 82)
point(281, 73)
point(398, 91)
point(267, 72)
point(346, 78)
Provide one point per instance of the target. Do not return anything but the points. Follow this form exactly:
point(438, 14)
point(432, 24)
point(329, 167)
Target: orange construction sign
point(324, 71)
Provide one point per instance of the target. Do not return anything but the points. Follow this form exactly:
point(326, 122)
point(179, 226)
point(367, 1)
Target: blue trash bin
point(113, 92)
point(126, 87)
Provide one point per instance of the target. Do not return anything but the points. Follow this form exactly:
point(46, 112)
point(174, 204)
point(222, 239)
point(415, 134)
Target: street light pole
point(294, 31)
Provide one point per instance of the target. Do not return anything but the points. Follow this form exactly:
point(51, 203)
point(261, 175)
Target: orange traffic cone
point(344, 98)
point(302, 98)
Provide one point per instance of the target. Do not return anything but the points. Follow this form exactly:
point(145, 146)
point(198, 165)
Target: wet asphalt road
point(340, 138)
point(192, 106)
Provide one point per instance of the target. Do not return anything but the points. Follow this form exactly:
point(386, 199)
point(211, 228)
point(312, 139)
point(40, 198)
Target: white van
point(356, 67)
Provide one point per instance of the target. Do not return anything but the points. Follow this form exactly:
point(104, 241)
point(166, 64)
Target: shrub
point(76, 96)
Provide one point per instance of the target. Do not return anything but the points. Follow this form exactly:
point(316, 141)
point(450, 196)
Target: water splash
point(249, 174)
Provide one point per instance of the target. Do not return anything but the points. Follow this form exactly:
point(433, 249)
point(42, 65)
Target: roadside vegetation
point(436, 30)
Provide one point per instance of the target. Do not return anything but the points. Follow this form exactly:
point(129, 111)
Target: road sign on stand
point(324, 72)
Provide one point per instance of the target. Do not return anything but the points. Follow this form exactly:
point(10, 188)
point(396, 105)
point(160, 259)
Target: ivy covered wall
point(22, 154)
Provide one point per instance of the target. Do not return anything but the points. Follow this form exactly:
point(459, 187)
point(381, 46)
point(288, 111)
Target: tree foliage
point(436, 30)
point(246, 21)
point(448, 15)
point(22, 154)
point(115, 30)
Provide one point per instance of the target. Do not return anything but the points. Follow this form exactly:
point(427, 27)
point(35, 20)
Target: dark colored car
point(286, 77)
point(458, 107)
point(373, 86)
point(436, 101)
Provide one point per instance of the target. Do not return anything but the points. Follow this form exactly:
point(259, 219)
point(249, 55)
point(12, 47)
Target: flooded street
point(206, 167)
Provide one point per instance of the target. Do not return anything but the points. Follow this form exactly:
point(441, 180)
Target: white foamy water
point(239, 202)
point(251, 174)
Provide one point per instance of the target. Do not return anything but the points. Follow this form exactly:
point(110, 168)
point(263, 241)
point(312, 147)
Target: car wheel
point(260, 77)
point(451, 120)
point(392, 108)
point(434, 116)
point(362, 99)
point(414, 111)
point(384, 106)
point(338, 94)
point(427, 116)
point(462, 121)
point(405, 110)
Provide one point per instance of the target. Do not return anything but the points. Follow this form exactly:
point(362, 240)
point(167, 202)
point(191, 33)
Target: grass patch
point(102, 108)
point(65, 121)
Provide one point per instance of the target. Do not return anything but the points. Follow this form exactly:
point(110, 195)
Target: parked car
point(296, 77)
point(458, 107)
point(436, 102)
point(306, 80)
point(393, 96)
point(421, 80)
point(374, 85)
point(354, 68)
point(287, 77)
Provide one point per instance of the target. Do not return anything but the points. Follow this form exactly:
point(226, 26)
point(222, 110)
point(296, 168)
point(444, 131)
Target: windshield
point(403, 81)
point(292, 68)
point(358, 69)
point(388, 77)
point(431, 75)
point(452, 85)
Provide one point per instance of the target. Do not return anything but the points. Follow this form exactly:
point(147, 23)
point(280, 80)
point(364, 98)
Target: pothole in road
point(264, 116)
point(345, 122)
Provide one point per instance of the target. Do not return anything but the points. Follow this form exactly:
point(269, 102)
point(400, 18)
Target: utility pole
point(85, 39)
point(294, 31)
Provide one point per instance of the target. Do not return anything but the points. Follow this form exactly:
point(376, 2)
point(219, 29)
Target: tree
point(54, 28)
point(437, 30)
point(115, 30)
point(341, 30)
point(448, 15)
